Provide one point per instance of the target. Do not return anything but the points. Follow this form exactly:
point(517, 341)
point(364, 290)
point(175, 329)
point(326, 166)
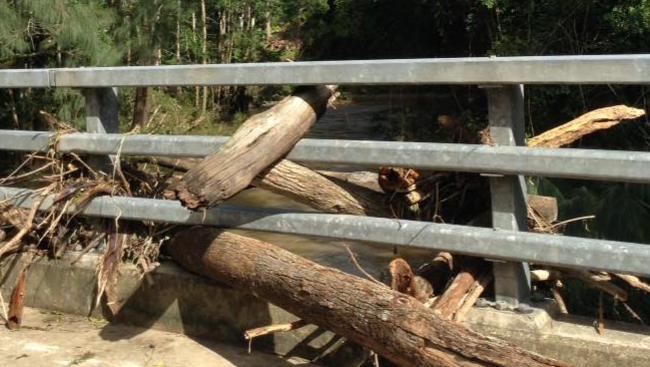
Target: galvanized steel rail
point(597, 69)
point(621, 166)
point(504, 78)
point(611, 256)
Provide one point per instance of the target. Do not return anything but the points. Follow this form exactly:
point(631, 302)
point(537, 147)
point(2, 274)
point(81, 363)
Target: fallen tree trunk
point(394, 325)
point(592, 121)
point(328, 195)
point(262, 140)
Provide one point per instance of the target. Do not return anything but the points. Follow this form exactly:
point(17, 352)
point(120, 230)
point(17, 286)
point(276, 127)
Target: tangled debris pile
point(449, 284)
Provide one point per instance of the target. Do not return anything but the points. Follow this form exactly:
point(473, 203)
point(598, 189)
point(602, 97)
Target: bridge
point(503, 79)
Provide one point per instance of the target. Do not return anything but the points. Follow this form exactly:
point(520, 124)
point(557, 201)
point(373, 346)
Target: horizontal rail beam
point(620, 166)
point(575, 252)
point(596, 69)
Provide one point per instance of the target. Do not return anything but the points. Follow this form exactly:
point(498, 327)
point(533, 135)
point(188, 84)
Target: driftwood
point(262, 140)
point(600, 119)
point(452, 300)
point(17, 302)
point(396, 326)
point(328, 195)
point(299, 183)
point(465, 285)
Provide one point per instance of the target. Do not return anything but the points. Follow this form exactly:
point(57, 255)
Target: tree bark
point(140, 108)
point(259, 142)
point(452, 299)
point(301, 184)
point(592, 121)
point(394, 325)
point(326, 195)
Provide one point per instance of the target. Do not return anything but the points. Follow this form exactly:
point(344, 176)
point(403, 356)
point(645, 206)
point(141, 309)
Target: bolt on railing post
point(102, 117)
point(508, 193)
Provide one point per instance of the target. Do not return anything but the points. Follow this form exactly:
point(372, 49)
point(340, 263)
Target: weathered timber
point(326, 194)
point(262, 140)
point(393, 324)
point(453, 298)
point(592, 121)
point(365, 179)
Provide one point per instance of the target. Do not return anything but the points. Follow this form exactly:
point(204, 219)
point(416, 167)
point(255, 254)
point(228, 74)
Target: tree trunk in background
point(392, 324)
point(197, 93)
point(269, 25)
point(178, 31)
point(204, 52)
point(140, 108)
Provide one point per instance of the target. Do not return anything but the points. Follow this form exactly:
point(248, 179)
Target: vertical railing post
point(508, 193)
point(102, 117)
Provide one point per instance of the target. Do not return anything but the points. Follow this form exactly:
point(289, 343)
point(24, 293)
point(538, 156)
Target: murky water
point(356, 121)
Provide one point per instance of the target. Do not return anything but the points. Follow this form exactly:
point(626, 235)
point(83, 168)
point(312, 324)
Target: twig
point(586, 217)
point(632, 313)
point(598, 282)
point(78, 159)
point(600, 324)
point(90, 246)
point(14, 243)
point(555, 289)
point(14, 179)
point(271, 329)
point(358, 266)
point(635, 282)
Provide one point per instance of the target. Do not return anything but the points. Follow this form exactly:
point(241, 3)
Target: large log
point(393, 324)
point(262, 140)
point(328, 195)
point(600, 119)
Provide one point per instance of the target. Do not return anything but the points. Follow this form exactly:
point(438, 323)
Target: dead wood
point(394, 325)
point(600, 119)
point(555, 289)
point(327, 195)
point(366, 179)
point(262, 140)
point(17, 302)
point(472, 296)
point(597, 281)
point(14, 243)
point(635, 282)
point(451, 301)
point(272, 329)
point(303, 185)
point(404, 280)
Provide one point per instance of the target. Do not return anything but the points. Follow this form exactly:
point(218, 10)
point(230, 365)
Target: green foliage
point(56, 33)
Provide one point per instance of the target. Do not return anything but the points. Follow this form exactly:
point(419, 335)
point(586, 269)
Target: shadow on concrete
point(180, 302)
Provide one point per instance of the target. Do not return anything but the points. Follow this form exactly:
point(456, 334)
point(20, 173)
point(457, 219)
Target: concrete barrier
point(172, 299)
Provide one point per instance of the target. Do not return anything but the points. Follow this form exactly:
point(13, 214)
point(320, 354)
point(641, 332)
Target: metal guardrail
point(502, 77)
point(599, 69)
point(612, 256)
point(622, 166)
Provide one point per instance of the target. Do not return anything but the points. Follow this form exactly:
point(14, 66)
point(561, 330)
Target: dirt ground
point(53, 339)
